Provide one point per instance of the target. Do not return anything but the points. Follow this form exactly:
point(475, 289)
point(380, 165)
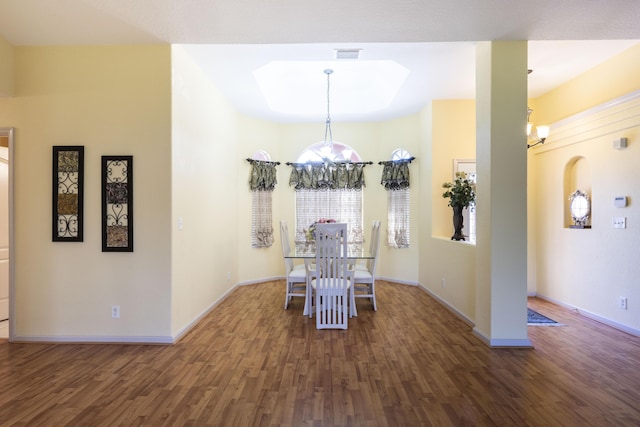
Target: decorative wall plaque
point(117, 203)
point(68, 190)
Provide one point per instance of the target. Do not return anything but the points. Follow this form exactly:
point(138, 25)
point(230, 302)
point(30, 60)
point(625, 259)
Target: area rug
point(536, 319)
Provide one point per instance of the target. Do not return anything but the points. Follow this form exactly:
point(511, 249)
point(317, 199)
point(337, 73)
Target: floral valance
point(330, 176)
point(395, 174)
point(263, 175)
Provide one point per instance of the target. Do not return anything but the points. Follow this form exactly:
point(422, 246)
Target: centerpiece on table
point(461, 194)
point(310, 233)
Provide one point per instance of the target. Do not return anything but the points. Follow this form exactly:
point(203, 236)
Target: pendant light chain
point(327, 129)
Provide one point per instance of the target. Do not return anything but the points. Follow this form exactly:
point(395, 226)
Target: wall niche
point(577, 178)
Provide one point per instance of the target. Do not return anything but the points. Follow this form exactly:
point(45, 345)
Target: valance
point(395, 174)
point(263, 175)
point(327, 176)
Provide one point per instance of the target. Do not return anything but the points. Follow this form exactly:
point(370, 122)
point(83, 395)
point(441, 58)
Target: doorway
point(6, 147)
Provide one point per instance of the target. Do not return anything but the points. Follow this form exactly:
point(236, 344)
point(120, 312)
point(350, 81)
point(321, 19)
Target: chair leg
point(353, 311)
point(373, 295)
point(286, 295)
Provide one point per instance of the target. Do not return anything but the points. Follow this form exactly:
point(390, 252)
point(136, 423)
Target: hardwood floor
point(411, 363)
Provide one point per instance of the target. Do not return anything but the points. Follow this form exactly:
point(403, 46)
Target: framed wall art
point(117, 203)
point(68, 191)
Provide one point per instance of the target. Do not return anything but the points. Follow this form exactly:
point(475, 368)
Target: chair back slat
point(332, 280)
point(286, 247)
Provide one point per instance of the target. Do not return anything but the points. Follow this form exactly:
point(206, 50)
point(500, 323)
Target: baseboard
point(258, 281)
point(401, 282)
point(201, 316)
point(449, 307)
point(503, 343)
point(92, 339)
point(593, 316)
point(491, 342)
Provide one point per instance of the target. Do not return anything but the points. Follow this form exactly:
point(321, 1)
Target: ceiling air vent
point(347, 53)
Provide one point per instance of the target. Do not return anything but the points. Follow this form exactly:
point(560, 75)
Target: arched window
point(335, 152)
point(341, 205)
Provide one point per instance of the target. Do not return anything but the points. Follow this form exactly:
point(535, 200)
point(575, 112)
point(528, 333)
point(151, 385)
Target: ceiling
point(433, 39)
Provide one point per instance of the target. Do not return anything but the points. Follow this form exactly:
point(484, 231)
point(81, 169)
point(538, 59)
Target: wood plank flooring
point(251, 363)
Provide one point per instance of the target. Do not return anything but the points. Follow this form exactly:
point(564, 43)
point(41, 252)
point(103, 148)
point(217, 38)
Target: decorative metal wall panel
point(117, 203)
point(68, 191)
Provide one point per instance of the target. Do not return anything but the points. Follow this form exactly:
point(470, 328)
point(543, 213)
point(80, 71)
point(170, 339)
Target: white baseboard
point(596, 317)
point(503, 343)
point(451, 308)
point(491, 342)
point(93, 339)
point(257, 281)
point(392, 280)
point(182, 332)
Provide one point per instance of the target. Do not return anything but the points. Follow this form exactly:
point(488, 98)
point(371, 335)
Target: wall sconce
point(541, 132)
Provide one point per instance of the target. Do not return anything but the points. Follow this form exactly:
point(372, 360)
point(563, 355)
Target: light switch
point(180, 224)
point(619, 222)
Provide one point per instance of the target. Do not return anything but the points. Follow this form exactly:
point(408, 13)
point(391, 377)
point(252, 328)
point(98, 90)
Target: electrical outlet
point(443, 284)
point(623, 303)
point(115, 311)
point(228, 275)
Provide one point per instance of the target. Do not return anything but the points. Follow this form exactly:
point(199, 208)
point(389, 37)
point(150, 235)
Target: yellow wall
point(6, 68)
point(112, 100)
point(602, 83)
point(447, 268)
point(589, 269)
point(373, 142)
point(259, 264)
point(205, 164)
point(454, 137)
point(121, 100)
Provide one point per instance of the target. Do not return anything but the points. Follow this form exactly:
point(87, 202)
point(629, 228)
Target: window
point(395, 178)
point(262, 184)
point(321, 200)
point(467, 166)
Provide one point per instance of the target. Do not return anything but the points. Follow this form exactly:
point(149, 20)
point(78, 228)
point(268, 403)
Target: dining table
point(306, 251)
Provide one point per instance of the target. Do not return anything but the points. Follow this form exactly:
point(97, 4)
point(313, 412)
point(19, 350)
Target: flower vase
point(458, 223)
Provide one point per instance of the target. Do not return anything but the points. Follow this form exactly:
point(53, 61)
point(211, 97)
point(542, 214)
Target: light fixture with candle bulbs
point(541, 132)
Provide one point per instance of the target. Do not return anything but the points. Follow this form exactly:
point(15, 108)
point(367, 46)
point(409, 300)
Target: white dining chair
point(373, 245)
point(364, 280)
point(329, 280)
point(296, 275)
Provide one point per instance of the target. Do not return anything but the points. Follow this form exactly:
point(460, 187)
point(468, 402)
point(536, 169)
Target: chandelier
point(328, 136)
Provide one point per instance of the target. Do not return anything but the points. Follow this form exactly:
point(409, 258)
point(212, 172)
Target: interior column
point(501, 156)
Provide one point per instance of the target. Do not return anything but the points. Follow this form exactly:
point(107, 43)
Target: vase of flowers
point(461, 194)
point(310, 233)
